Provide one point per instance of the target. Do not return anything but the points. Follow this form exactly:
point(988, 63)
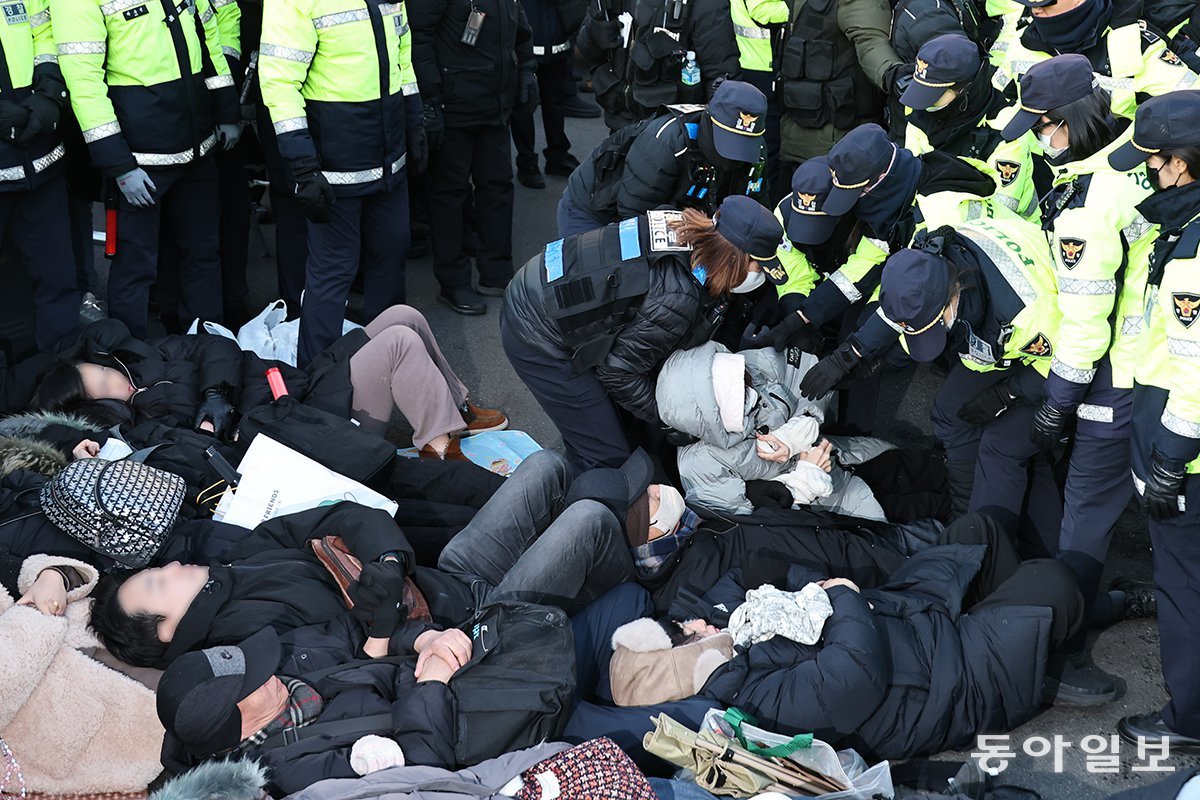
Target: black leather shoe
point(1082, 684)
point(463, 301)
point(576, 106)
point(562, 168)
point(531, 178)
point(496, 289)
point(1150, 728)
point(1141, 602)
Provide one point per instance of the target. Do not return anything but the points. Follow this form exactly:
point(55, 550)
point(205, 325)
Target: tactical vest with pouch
point(647, 74)
point(594, 283)
point(822, 82)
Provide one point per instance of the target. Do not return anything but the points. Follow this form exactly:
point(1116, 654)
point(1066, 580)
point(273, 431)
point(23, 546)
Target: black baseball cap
point(739, 116)
point(913, 293)
point(861, 156)
point(1036, 3)
point(942, 63)
point(199, 692)
point(754, 230)
point(1166, 122)
point(1048, 85)
point(809, 223)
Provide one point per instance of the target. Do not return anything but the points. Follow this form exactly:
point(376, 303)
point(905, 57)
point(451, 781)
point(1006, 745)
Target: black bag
point(329, 440)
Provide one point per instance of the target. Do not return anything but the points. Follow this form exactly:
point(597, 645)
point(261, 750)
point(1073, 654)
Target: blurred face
point(1053, 10)
point(699, 629)
point(262, 705)
point(163, 591)
point(105, 383)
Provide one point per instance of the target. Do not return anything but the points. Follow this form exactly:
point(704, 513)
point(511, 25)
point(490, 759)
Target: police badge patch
point(1009, 170)
point(1038, 346)
point(1168, 57)
point(1071, 251)
point(1186, 307)
point(15, 13)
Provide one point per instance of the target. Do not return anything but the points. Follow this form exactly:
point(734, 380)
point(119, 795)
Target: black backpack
point(608, 161)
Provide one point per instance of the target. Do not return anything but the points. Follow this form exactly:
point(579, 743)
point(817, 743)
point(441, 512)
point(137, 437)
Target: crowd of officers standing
point(1010, 182)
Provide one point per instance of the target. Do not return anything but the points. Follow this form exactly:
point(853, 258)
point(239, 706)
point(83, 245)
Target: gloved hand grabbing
point(137, 188)
point(826, 373)
point(1164, 484)
point(677, 438)
point(528, 95)
point(435, 125)
point(755, 337)
point(13, 119)
point(897, 78)
point(988, 405)
point(379, 597)
point(794, 331)
point(228, 135)
point(768, 494)
point(314, 194)
point(418, 149)
point(1049, 424)
point(603, 34)
point(44, 114)
point(216, 410)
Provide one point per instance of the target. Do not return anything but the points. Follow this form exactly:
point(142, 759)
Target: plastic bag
point(272, 336)
point(212, 328)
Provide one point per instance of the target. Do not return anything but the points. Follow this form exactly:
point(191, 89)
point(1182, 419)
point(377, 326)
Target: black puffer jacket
point(899, 671)
point(671, 311)
point(474, 85)
point(632, 83)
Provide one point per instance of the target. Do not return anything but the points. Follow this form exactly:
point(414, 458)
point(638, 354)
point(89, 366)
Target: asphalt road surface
point(1128, 650)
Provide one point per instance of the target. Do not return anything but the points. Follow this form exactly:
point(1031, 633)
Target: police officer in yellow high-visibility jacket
point(337, 79)
point(153, 96)
point(1166, 404)
point(33, 189)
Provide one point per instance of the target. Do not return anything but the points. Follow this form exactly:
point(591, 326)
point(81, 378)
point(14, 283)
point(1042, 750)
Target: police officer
point(1100, 244)
point(1166, 403)
point(346, 114)
point(690, 157)
point(153, 96)
point(995, 279)
point(635, 50)
point(890, 193)
point(1130, 56)
point(758, 27)
point(955, 109)
point(588, 322)
point(474, 62)
point(33, 187)
point(554, 23)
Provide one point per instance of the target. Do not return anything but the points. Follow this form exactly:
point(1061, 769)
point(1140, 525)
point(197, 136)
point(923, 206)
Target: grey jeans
point(522, 545)
point(403, 367)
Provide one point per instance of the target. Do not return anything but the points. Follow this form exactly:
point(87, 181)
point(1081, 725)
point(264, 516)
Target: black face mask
point(1152, 173)
point(1075, 30)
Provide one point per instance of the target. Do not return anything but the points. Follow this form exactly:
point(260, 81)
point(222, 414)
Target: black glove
point(768, 494)
point(829, 371)
point(215, 409)
point(754, 337)
point(1049, 424)
point(677, 438)
point(314, 194)
point(1164, 484)
point(435, 125)
point(989, 404)
point(379, 598)
point(13, 119)
point(603, 34)
point(794, 331)
point(897, 79)
point(528, 95)
point(418, 150)
point(43, 118)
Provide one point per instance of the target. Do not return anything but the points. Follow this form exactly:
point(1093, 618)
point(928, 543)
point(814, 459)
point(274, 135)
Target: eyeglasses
point(1041, 126)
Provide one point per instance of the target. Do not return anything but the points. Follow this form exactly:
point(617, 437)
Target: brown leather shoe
point(480, 420)
point(452, 453)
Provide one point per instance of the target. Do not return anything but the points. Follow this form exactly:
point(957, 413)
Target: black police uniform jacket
point(475, 85)
point(899, 670)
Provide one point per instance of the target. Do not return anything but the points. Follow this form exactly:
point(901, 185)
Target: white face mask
point(753, 281)
point(1050, 150)
point(670, 509)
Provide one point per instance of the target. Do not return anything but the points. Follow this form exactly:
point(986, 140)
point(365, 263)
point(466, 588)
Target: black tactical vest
point(822, 82)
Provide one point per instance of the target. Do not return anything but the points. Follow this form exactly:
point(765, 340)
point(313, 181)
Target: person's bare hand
point(435, 669)
point(820, 454)
point(86, 449)
point(832, 582)
point(452, 647)
point(771, 448)
point(48, 594)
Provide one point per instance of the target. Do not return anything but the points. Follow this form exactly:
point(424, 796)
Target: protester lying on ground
point(523, 545)
point(76, 725)
point(898, 671)
point(759, 439)
point(205, 381)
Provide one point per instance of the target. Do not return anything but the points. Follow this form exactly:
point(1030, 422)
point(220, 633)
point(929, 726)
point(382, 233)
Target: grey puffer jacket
point(714, 470)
